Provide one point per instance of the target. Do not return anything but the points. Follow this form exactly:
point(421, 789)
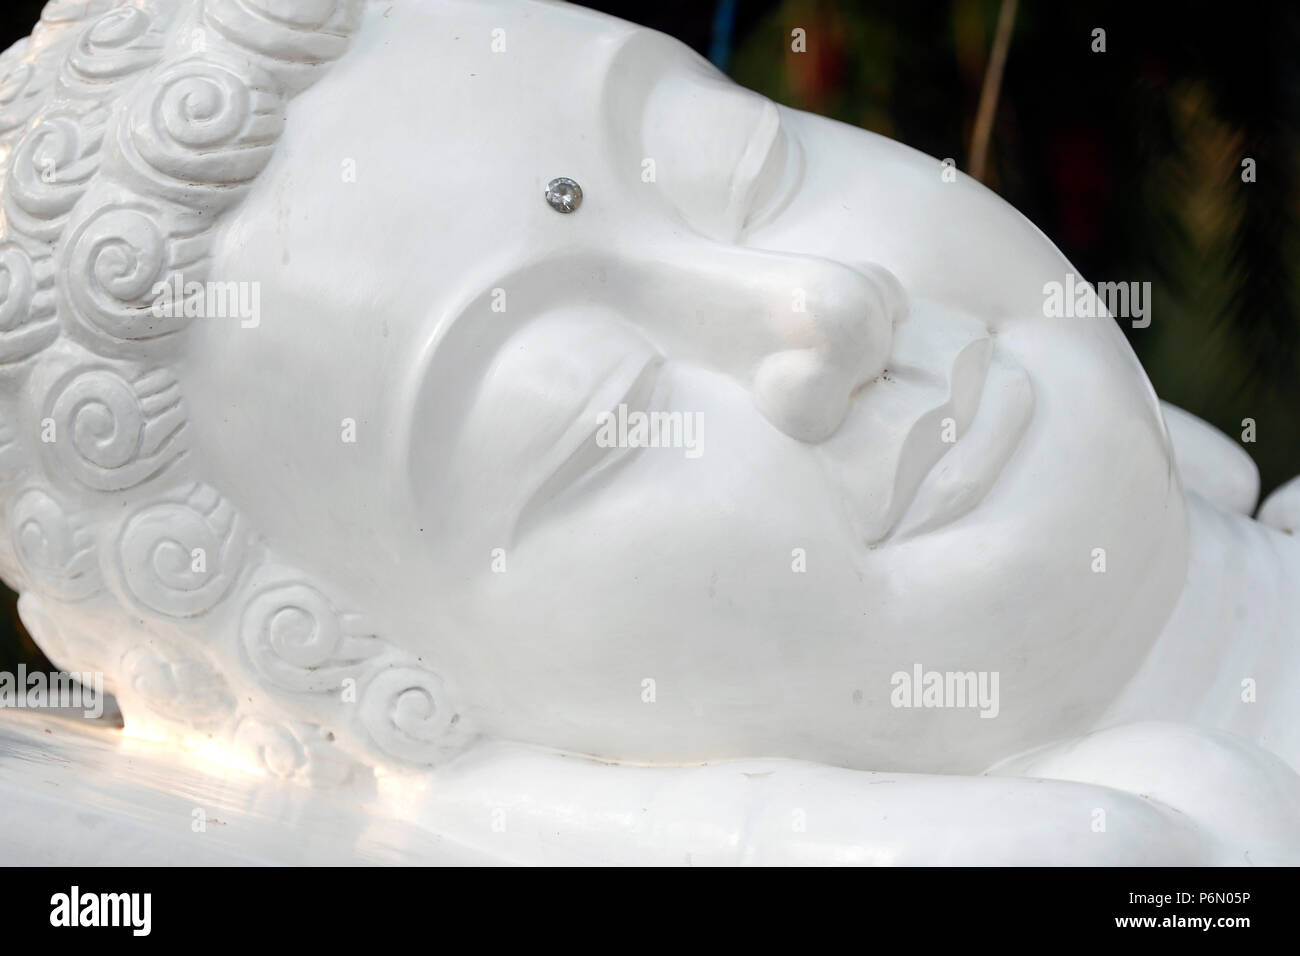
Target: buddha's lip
point(965, 473)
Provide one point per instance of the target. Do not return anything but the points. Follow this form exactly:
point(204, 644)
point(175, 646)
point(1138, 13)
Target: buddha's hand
point(1145, 794)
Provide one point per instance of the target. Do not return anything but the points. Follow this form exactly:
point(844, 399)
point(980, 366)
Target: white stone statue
point(658, 514)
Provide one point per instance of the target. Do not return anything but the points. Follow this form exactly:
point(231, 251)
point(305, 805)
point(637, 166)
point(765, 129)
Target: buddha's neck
point(1229, 656)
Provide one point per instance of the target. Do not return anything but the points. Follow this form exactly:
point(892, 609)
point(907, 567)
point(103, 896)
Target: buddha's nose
point(838, 341)
point(803, 332)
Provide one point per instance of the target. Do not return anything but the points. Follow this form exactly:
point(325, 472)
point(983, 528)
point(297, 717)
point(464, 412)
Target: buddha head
point(679, 460)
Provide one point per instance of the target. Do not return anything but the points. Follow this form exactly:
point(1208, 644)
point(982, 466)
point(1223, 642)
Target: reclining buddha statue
point(490, 412)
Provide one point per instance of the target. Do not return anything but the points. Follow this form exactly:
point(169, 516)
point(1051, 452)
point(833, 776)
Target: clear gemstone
point(563, 194)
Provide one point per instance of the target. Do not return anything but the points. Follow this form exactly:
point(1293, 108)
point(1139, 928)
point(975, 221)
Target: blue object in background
point(724, 25)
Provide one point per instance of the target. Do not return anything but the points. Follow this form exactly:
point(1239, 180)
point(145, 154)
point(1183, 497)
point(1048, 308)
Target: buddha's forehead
point(525, 75)
point(418, 164)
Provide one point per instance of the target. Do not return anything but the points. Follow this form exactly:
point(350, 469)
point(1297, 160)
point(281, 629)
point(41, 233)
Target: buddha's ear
point(1211, 464)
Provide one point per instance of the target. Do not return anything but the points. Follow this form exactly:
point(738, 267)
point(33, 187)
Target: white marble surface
point(1210, 463)
point(1136, 795)
point(79, 797)
point(1281, 509)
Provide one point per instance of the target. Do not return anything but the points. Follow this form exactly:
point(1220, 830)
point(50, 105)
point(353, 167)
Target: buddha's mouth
point(966, 472)
point(925, 442)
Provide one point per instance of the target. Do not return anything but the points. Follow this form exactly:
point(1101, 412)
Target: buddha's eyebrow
point(639, 62)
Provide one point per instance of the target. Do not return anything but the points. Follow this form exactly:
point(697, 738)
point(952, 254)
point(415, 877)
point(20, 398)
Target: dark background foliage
point(1130, 160)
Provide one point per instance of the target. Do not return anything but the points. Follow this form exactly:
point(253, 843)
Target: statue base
point(80, 796)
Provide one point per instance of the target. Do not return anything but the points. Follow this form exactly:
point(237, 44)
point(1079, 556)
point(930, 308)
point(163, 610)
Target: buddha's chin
point(1060, 579)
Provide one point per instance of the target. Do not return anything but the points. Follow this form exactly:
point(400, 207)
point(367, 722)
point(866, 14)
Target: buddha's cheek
point(1061, 579)
point(686, 598)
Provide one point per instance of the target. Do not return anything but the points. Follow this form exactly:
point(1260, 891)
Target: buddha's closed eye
point(530, 422)
point(597, 454)
point(717, 153)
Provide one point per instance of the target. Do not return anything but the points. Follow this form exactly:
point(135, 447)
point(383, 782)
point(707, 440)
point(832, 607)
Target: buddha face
point(874, 450)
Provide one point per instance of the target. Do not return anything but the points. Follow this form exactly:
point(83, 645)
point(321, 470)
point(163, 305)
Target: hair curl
point(127, 129)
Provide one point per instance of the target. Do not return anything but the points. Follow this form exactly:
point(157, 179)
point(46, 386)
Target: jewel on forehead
point(563, 194)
